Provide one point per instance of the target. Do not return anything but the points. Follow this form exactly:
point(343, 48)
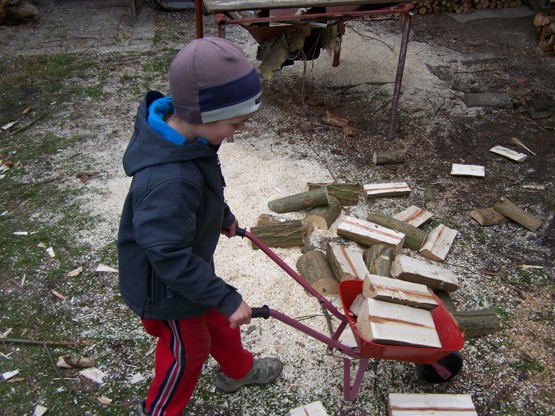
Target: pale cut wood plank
point(509, 153)
point(420, 271)
point(468, 170)
point(390, 323)
point(312, 409)
point(439, 242)
point(369, 234)
point(378, 190)
point(410, 404)
point(398, 291)
point(346, 263)
point(414, 216)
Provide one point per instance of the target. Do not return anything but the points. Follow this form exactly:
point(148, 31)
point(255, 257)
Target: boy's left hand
point(231, 230)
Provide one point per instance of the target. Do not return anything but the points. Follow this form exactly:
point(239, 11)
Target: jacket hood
point(149, 148)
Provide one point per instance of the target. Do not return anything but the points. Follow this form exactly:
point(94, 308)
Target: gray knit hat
point(211, 79)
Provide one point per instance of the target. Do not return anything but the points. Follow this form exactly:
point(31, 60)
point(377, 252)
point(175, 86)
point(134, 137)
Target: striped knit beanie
point(211, 79)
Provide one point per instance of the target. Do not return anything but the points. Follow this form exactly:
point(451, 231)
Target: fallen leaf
point(104, 400)
point(40, 410)
point(75, 272)
point(137, 378)
point(9, 125)
point(93, 374)
point(66, 361)
point(104, 268)
point(58, 295)
point(9, 374)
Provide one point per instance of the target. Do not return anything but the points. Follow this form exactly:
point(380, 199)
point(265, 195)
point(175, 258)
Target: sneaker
point(263, 371)
point(140, 410)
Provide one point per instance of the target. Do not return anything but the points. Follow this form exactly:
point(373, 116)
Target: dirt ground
point(505, 268)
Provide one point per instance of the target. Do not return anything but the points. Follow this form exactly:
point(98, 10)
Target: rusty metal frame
point(406, 9)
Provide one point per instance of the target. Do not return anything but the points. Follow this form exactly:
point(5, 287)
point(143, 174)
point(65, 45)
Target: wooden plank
point(213, 6)
point(487, 217)
point(514, 212)
point(419, 271)
point(439, 242)
point(390, 323)
point(347, 264)
point(311, 409)
point(368, 234)
point(379, 190)
point(414, 216)
point(412, 404)
point(468, 170)
point(509, 153)
point(398, 291)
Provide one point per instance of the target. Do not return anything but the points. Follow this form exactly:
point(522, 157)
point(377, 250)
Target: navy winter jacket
point(170, 225)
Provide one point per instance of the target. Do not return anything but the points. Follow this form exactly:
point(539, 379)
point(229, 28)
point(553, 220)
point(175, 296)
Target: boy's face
point(217, 131)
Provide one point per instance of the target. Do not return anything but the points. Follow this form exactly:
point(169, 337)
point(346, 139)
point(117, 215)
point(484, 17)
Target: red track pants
point(183, 347)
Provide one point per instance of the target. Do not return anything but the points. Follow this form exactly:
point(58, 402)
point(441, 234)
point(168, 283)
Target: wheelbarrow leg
point(351, 392)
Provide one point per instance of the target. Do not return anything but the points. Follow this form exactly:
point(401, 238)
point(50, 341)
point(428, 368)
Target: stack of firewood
point(545, 26)
point(460, 6)
point(370, 250)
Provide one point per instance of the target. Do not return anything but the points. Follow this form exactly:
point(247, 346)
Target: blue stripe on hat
point(230, 99)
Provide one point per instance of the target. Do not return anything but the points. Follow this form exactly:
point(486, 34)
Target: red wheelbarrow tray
point(447, 329)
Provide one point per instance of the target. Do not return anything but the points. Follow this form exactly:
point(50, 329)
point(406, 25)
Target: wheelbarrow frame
point(445, 324)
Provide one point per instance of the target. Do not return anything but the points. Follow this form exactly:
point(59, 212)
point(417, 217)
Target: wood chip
point(40, 410)
point(75, 272)
point(93, 374)
point(509, 153)
point(104, 268)
point(9, 374)
point(468, 170)
point(58, 295)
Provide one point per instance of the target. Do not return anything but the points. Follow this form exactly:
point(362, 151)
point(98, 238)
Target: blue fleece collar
point(156, 113)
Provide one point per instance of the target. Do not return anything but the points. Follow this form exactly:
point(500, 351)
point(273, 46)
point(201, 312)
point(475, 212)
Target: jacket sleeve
point(164, 222)
point(229, 218)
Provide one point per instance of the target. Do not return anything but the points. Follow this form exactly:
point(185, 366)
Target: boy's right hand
point(241, 316)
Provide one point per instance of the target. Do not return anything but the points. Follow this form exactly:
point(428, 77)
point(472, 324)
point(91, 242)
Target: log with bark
point(277, 232)
point(378, 259)
point(302, 200)
point(471, 323)
point(386, 157)
point(313, 266)
point(347, 193)
point(346, 264)
point(324, 216)
point(414, 237)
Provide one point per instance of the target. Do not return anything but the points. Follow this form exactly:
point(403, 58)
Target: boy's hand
point(241, 316)
point(231, 230)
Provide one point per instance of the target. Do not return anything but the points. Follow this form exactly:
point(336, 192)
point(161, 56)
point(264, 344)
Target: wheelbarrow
point(435, 365)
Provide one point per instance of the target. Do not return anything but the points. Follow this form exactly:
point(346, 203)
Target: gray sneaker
point(263, 371)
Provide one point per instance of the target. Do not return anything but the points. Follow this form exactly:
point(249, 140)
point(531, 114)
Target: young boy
point(172, 219)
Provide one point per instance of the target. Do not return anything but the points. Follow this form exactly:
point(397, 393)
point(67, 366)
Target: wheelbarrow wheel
point(442, 371)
